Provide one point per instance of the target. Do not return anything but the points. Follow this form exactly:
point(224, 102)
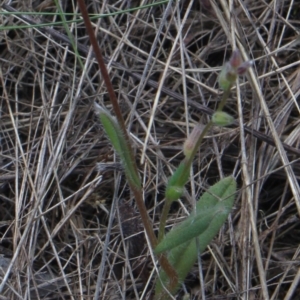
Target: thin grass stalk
point(136, 191)
point(114, 101)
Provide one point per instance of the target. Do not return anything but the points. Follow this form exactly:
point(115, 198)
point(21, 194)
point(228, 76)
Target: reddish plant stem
point(136, 190)
point(114, 101)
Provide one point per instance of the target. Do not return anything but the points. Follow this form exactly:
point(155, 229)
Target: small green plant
point(213, 207)
point(177, 251)
point(211, 212)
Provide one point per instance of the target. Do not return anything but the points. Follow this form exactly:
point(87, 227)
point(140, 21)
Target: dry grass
point(61, 183)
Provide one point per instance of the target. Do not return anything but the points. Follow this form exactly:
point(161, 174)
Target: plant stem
point(137, 191)
point(163, 219)
point(205, 130)
point(187, 165)
point(114, 101)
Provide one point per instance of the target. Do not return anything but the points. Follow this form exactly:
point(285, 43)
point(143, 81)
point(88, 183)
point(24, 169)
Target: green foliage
point(222, 118)
point(191, 227)
point(183, 244)
point(191, 142)
point(175, 186)
point(217, 202)
point(230, 71)
point(119, 143)
point(227, 77)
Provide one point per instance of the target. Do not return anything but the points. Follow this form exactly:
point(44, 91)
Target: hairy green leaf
point(115, 135)
point(198, 222)
point(219, 197)
point(175, 186)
